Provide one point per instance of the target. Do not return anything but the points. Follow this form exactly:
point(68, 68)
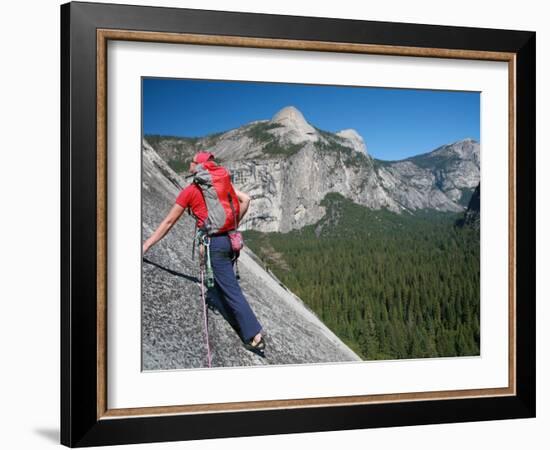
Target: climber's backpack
point(220, 197)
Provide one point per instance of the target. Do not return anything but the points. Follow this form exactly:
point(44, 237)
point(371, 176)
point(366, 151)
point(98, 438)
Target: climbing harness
point(203, 241)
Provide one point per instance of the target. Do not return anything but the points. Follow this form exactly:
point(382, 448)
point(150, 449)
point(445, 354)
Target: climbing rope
point(206, 264)
point(205, 318)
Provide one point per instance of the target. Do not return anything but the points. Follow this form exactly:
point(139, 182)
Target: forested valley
point(390, 285)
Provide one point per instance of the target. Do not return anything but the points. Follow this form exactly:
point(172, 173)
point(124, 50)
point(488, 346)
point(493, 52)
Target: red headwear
point(202, 157)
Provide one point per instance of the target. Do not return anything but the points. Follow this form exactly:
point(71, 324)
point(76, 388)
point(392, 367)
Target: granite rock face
point(173, 333)
point(288, 166)
point(293, 128)
point(353, 140)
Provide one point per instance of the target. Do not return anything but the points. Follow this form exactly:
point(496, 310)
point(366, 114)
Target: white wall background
point(29, 190)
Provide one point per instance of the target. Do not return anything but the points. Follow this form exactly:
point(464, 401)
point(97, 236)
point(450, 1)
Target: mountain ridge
point(288, 165)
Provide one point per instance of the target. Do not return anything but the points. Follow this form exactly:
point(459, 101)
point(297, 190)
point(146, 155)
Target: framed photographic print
point(267, 221)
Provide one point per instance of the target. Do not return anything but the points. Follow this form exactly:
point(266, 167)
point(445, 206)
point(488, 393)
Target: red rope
point(205, 318)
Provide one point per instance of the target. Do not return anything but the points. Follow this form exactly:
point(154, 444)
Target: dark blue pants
point(226, 294)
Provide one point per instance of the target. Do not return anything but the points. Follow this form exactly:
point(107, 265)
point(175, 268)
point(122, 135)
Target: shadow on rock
point(172, 272)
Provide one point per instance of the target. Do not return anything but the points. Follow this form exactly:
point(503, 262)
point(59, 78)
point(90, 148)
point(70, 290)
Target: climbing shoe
point(259, 346)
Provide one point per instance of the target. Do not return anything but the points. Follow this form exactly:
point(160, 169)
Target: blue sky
point(395, 123)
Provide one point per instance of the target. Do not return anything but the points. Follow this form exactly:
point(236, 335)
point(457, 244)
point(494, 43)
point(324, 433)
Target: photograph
point(287, 223)
point(274, 224)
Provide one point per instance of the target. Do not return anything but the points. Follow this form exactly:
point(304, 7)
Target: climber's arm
point(164, 227)
point(244, 203)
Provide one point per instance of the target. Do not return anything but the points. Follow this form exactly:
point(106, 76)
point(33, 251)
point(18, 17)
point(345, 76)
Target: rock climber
point(226, 288)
